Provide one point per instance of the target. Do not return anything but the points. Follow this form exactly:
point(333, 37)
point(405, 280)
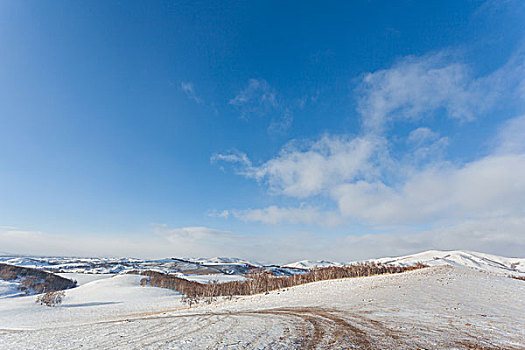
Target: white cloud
point(259, 99)
point(352, 172)
point(224, 214)
point(232, 157)
point(501, 236)
point(282, 215)
point(425, 145)
point(189, 90)
point(162, 241)
point(490, 186)
point(305, 170)
point(422, 135)
point(280, 125)
point(477, 204)
point(415, 87)
point(511, 137)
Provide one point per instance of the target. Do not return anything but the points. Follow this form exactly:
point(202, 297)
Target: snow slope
point(83, 278)
point(480, 261)
point(9, 289)
point(441, 307)
point(223, 261)
point(213, 278)
point(310, 264)
point(96, 300)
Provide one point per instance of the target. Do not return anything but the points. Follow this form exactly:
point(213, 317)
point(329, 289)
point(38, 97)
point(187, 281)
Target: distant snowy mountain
point(310, 264)
point(218, 265)
point(104, 265)
point(480, 261)
point(235, 266)
point(223, 261)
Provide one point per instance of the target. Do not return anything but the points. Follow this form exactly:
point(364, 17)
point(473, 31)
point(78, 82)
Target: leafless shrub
point(261, 281)
point(51, 298)
point(189, 299)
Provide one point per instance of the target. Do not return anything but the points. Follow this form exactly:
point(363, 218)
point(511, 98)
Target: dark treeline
point(34, 280)
point(260, 281)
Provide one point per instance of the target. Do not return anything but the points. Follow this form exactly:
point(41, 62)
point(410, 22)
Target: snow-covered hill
point(123, 265)
point(432, 308)
point(232, 266)
point(99, 298)
point(480, 261)
point(426, 308)
point(223, 261)
point(218, 266)
point(310, 264)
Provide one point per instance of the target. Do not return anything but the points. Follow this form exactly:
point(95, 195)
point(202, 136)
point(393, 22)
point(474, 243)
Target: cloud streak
point(273, 215)
point(189, 90)
point(260, 100)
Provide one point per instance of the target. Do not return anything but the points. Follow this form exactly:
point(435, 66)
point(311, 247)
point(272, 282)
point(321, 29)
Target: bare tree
point(51, 298)
point(262, 281)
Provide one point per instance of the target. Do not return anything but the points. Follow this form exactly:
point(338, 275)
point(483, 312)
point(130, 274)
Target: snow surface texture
point(442, 307)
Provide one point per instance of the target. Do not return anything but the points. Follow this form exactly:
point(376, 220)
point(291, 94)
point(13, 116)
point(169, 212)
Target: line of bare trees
point(262, 281)
point(33, 279)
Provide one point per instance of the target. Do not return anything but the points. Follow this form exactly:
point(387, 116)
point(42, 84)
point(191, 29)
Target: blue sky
point(263, 130)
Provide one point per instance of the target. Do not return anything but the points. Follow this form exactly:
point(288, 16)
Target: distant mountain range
point(480, 261)
point(191, 266)
point(234, 266)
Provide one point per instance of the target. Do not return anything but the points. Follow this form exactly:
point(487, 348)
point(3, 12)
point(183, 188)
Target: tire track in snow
point(327, 329)
point(309, 328)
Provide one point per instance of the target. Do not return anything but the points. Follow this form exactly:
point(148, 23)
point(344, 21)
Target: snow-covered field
point(442, 307)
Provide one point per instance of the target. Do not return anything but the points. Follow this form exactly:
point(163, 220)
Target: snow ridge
point(461, 258)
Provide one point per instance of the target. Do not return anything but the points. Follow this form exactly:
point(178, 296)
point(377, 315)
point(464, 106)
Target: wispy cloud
point(511, 137)
point(189, 90)
point(304, 169)
point(416, 86)
point(283, 215)
point(232, 157)
point(425, 145)
point(260, 99)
